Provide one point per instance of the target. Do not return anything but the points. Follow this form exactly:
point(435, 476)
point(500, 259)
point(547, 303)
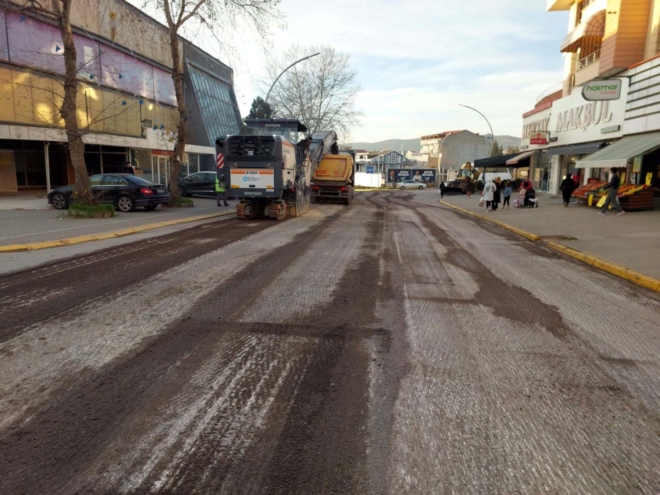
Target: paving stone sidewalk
point(631, 240)
point(18, 226)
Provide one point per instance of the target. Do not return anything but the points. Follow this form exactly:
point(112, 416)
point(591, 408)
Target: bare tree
point(321, 92)
point(209, 15)
point(68, 110)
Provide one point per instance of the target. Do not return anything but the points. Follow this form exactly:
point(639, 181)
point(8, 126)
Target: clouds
point(417, 59)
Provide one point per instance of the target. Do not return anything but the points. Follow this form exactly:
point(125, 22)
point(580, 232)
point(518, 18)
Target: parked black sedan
point(124, 191)
point(198, 184)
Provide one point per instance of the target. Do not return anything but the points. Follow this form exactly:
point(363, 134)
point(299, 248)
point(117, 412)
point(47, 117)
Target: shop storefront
point(535, 140)
point(636, 160)
point(579, 128)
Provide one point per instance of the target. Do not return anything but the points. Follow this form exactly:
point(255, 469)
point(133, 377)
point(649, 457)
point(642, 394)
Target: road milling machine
point(269, 166)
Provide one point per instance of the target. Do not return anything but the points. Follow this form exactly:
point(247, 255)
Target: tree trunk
point(81, 192)
point(177, 76)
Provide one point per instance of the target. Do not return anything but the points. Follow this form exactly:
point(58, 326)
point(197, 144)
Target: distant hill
point(414, 144)
point(389, 144)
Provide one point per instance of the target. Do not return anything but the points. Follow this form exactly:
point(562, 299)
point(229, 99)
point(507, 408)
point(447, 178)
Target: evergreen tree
point(260, 109)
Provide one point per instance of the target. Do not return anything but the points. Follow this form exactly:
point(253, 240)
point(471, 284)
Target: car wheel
point(125, 204)
point(60, 202)
point(151, 207)
point(420, 187)
point(403, 188)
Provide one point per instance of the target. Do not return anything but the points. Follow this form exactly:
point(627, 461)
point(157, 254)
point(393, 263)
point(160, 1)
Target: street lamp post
point(490, 127)
point(282, 73)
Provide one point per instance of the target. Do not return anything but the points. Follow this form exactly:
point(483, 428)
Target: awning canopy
point(494, 161)
point(576, 149)
point(617, 155)
point(591, 31)
point(521, 157)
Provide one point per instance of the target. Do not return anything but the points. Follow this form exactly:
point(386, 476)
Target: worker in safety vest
point(221, 191)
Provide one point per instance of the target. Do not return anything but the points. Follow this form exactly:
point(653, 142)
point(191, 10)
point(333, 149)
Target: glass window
point(95, 180)
point(217, 104)
point(140, 181)
point(112, 180)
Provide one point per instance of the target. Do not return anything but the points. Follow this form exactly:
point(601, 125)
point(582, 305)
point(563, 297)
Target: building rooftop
point(442, 135)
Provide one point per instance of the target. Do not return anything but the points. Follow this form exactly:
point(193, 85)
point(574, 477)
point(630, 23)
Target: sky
point(416, 60)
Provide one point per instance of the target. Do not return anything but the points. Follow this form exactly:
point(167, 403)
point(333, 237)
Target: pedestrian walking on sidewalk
point(567, 187)
point(544, 186)
point(489, 194)
point(443, 188)
point(221, 191)
point(469, 187)
point(497, 197)
point(507, 196)
point(612, 197)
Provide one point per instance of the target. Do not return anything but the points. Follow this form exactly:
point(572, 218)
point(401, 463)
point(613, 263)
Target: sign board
point(602, 90)
point(426, 176)
point(370, 169)
point(539, 137)
point(253, 179)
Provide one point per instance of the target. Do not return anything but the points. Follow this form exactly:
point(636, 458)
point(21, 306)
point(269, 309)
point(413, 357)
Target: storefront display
point(632, 197)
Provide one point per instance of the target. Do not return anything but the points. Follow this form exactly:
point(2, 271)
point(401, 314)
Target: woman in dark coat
point(567, 187)
point(498, 193)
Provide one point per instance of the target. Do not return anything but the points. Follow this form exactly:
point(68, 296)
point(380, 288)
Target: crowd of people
point(498, 191)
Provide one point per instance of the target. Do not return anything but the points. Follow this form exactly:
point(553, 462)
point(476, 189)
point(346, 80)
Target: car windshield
point(141, 182)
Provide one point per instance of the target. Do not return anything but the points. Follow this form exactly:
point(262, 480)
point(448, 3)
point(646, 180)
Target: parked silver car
point(411, 184)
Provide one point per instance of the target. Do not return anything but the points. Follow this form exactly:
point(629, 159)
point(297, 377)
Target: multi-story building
point(614, 39)
point(126, 105)
point(448, 151)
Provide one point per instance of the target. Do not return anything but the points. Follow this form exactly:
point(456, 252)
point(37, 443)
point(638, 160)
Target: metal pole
point(282, 73)
point(490, 127)
point(46, 146)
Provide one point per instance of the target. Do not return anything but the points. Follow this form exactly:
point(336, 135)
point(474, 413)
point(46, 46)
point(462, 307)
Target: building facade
point(126, 104)
point(449, 151)
point(605, 39)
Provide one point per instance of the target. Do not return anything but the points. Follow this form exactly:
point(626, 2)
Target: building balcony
point(588, 68)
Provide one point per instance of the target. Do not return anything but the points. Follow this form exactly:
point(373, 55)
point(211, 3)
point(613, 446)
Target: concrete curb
point(14, 248)
point(616, 270)
point(520, 232)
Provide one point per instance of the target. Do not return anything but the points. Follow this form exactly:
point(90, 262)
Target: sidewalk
point(21, 226)
point(631, 240)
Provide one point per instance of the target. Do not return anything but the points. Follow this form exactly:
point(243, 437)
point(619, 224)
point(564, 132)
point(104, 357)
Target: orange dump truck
point(333, 179)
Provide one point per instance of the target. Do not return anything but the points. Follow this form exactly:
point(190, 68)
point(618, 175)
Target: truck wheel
point(314, 200)
point(347, 201)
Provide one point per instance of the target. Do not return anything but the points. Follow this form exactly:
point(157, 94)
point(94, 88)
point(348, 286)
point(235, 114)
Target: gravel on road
point(390, 347)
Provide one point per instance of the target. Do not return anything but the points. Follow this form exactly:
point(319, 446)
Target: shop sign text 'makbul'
point(584, 116)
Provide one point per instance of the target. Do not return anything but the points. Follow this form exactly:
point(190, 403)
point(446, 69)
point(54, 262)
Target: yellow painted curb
point(616, 270)
point(619, 271)
point(520, 232)
point(14, 248)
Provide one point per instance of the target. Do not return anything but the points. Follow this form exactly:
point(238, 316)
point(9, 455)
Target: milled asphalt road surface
point(391, 347)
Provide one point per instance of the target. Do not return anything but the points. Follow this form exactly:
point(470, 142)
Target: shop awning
point(576, 149)
point(592, 31)
point(521, 157)
point(495, 161)
point(618, 154)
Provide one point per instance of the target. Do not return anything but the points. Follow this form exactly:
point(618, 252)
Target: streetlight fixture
point(491, 127)
point(282, 73)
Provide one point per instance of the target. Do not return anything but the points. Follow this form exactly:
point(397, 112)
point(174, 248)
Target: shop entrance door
point(161, 169)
